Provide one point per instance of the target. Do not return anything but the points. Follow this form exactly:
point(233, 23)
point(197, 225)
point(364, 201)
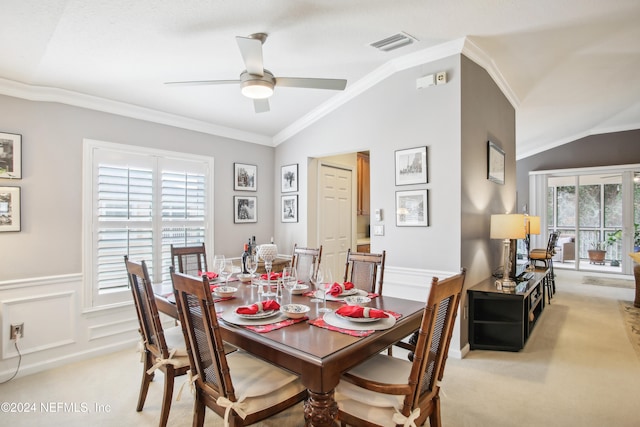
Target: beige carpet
point(578, 368)
point(605, 281)
point(631, 317)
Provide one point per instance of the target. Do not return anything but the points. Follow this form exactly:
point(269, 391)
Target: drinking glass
point(324, 286)
point(252, 266)
point(315, 279)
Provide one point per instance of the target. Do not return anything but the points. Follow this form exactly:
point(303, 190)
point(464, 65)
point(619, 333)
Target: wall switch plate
point(425, 81)
point(378, 230)
point(378, 214)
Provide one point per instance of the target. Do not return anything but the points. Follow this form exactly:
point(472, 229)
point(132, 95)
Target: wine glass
point(225, 268)
point(289, 281)
point(218, 264)
point(324, 286)
point(252, 266)
point(315, 280)
point(268, 252)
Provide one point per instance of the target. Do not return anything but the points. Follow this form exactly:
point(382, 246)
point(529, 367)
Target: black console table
point(504, 319)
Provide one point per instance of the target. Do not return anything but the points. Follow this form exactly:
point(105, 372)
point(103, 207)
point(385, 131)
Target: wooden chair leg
point(434, 418)
point(169, 379)
point(146, 380)
point(198, 411)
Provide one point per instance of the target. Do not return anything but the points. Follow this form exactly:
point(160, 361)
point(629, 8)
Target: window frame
point(93, 299)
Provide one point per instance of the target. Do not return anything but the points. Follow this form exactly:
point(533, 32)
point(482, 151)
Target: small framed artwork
point(245, 177)
point(10, 155)
point(495, 163)
point(245, 209)
point(411, 166)
point(412, 208)
point(289, 178)
point(290, 208)
point(9, 209)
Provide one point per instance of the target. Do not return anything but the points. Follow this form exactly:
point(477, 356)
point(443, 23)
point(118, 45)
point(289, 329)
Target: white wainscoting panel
point(49, 321)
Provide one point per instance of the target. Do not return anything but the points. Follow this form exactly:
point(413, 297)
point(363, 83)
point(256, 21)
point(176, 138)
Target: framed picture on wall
point(495, 163)
point(411, 166)
point(245, 177)
point(10, 155)
point(9, 209)
point(289, 178)
point(412, 208)
point(245, 209)
point(290, 208)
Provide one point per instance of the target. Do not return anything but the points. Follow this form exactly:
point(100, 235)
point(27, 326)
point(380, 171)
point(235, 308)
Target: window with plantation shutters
point(142, 201)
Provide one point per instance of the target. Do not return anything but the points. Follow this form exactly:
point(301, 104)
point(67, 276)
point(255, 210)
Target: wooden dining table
point(318, 355)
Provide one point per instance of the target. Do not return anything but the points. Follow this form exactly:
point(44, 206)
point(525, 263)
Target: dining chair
point(163, 349)
point(365, 270)
point(371, 393)
point(546, 257)
point(302, 260)
point(239, 387)
point(189, 259)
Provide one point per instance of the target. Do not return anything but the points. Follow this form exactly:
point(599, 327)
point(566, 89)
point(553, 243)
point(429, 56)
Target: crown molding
point(63, 96)
point(462, 45)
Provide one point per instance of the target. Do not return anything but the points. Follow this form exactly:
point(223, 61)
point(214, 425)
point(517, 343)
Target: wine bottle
point(245, 255)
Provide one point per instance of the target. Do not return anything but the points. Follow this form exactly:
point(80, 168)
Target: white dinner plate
point(360, 319)
point(259, 315)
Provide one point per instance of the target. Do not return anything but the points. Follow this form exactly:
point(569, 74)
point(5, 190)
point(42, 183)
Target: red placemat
point(261, 329)
point(319, 322)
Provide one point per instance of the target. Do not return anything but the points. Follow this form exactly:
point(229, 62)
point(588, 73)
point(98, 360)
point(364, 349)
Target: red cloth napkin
point(210, 274)
point(357, 311)
point(338, 288)
point(258, 307)
point(274, 276)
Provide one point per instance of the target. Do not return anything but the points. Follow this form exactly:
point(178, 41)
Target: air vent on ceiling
point(393, 42)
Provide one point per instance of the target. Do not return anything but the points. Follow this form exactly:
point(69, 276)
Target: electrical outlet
point(17, 329)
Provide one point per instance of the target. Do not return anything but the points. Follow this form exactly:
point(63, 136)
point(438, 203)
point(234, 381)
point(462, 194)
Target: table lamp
point(507, 227)
point(532, 226)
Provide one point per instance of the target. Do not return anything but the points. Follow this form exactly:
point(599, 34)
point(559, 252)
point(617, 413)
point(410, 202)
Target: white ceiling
point(571, 68)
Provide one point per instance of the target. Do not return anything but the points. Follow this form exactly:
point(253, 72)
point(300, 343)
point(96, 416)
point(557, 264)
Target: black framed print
point(289, 178)
point(412, 208)
point(245, 209)
point(245, 177)
point(411, 166)
point(10, 155)
point(495, 163)
point(290, 208)
point(9, 209)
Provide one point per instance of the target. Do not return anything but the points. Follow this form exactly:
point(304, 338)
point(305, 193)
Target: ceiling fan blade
point(261, 105)
point(251, 50)
point(331, 84)
point(203, 82)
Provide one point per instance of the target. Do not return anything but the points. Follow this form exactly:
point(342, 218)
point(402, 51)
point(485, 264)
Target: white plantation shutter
point(143, 201)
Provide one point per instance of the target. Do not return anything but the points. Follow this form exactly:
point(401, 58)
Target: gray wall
point(616, 148)
point(50, 242)
point(486, 115)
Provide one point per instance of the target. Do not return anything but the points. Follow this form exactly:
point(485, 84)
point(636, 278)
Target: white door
point(334, 220)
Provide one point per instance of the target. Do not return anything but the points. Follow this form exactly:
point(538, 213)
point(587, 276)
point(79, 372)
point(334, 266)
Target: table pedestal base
point(636, 272)
point(320, 410)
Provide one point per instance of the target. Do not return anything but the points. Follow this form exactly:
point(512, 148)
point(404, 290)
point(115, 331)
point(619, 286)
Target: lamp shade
point(508, 226)
point(533, 224)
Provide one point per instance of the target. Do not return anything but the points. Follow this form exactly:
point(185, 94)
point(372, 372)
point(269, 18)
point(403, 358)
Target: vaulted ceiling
point(570, 67)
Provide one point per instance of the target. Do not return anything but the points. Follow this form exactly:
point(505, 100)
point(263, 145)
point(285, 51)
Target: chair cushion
point(381, 368)
point(258, 384)
point(175, 340)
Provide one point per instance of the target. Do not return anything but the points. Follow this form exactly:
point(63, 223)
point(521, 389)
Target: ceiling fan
point(257, 83)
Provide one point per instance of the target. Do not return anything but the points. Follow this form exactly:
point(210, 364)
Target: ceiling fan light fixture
point(257, 89)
